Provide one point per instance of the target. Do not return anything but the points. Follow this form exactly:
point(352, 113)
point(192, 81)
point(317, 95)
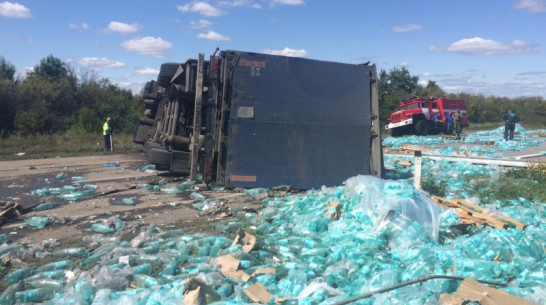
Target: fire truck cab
point(422, 116)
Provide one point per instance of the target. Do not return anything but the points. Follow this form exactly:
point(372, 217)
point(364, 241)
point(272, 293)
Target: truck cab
point(416, 116)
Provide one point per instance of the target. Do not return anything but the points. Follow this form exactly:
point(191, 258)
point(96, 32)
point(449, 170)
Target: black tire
point(141, 134)
point(146, 121)
point(168, 70)
point(397, 132)
point(421, 128)
point(151, 145)
point(151, 90)
point(160, 157)
point(149, 113)
point(149, 104)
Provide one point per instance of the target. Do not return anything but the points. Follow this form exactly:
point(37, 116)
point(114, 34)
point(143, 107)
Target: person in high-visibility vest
point(107, 132)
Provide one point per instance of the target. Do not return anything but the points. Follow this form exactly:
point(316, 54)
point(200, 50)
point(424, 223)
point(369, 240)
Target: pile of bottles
point(325, 245)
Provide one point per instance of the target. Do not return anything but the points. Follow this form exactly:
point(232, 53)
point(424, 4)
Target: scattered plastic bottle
point(37, 221)
point(59, 176)
point(91, 187)
point(44, 206)
point(101, 228)
point(128, 201)
point(54, 266)
point(142, 269)
point(72, 196)
point(145, 281)
point(34, 295)
point(3, 238)
point(17, 275)
point(78, 178)
point(8, 296)
point(71, 252)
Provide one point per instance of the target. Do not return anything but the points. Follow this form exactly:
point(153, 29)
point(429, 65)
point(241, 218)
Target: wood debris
point(475, 215)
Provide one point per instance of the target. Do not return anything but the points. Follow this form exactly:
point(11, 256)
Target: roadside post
point(417, 170)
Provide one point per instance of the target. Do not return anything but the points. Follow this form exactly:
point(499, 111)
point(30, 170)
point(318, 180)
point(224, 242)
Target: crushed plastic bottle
point(60, 176)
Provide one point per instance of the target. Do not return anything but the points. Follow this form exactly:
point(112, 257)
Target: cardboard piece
point(337, 213)
point(258, 293)
point(228, 262)
point(229, 266)
point(471, 290)
point(247, 240)
point(268, 270)
point(196, 292)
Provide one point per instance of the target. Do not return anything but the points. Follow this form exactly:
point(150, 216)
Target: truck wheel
point(147, 121)
point(166, 74)
point(141, 134)
point(151, 145)
point(421, 128)
point(160, 157)
point(397, 132)
point(149, 104)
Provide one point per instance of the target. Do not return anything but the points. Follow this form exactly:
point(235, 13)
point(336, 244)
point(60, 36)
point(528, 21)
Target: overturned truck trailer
point(249, 120)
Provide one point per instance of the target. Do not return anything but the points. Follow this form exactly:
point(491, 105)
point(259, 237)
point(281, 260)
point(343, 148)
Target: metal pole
point(417, 170)
point(197, 116)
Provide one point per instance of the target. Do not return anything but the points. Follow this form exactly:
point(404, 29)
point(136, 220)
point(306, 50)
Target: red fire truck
point(416, 116)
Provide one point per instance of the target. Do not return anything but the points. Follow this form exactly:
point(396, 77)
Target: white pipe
point(500, 162)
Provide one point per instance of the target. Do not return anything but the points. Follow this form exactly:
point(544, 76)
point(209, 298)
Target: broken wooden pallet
point(476, 215)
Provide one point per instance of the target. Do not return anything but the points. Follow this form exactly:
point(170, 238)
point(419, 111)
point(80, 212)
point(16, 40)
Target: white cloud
point(202, 8)
point(426, 74)
point(201, 24)
point(212, 35)
point(289, 2)
point(123, 28)
point(134, 87)
point(147, 71)
point(75, 26)
point(287, 52)
point(14, 10)
point(403, 65)
point(148, 46)
point(480, 46)
point(436, 48)
point(100, 62)
point(234, 3)
point(531, 6)
point(407, 28)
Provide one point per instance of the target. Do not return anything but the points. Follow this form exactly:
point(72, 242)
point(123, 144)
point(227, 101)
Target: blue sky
point(491, 47)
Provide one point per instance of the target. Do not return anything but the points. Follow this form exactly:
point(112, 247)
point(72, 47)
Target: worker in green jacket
point(107, 133)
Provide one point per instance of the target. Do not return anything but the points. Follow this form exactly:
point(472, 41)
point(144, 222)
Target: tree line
point(398, 84)
point(53, 97)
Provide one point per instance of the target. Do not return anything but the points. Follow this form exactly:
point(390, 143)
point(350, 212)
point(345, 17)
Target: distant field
point(71, 143)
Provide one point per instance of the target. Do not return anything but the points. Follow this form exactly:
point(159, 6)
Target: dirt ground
point(19, 181)
point(71, 220)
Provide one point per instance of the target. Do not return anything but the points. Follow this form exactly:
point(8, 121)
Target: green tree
point(393, 87)
point(7, 87)
point(50, 67)
point(7, 70)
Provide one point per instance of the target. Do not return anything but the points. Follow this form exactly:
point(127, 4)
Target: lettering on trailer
point(242, 178)
point(255, 66)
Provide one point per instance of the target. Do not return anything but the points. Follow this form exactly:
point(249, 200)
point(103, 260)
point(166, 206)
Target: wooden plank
point(474, 214)
point(519, 225)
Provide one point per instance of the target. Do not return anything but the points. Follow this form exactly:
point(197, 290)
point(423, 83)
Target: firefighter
point(449, 122)
point(458, 123)
point(107, 133)
point(510, 119)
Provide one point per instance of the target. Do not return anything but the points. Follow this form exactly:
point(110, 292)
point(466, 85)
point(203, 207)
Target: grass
point(511, 184)
point(70, 143)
